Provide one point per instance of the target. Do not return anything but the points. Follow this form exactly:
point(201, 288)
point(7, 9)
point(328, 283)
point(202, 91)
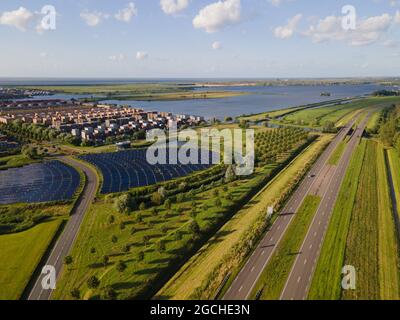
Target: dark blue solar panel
point(129, 169)
point(39, 182)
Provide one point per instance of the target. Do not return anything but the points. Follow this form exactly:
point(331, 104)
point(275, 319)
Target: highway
point(244, 283)
point(300, 277)
point(67, 239)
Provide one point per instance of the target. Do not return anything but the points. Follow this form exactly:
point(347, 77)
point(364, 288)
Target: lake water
point(261, 99)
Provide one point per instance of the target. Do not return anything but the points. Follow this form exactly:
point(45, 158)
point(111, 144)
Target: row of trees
point(26, 132)
point(389, 132)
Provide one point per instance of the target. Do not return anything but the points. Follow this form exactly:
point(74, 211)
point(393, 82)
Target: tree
point(228, 119)
point(157, 198)
point(92, 250)
point(140, 256)
point(146, 239)
point(114, 239)
point(329, 127)
point(125, 203)
point(218, 202)
point(142, 206)
point(194, 227)
point(230, 173)
point(122, 226)
point(93, 282)
point(68, 260)
point(126, 248)
point(108, 293)
point(111, 219)
point(161, 246)
point(106, 259)
point(168, 204)
point(75, 293)
point(121, 266)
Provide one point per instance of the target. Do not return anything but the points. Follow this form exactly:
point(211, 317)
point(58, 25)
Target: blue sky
point(200, 38)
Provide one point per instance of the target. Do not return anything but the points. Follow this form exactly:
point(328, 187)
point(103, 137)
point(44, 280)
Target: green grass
point(327, 277)
point(316, 117)
point(388, 246)
point(198, 268)
point(337, 154)
point(14, 161)
point(394, 161)
point(96, 233)
point(20, 253)
point(274, 276)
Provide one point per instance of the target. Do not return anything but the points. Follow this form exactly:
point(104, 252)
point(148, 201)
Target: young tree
point(68, 260)
point(106, 259)
point(93, 282)
point(140, 256)
point(114, 239)
point(121, 266)
point(108, 293)
point(75, 293)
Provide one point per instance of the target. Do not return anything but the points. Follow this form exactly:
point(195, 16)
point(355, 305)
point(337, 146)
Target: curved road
point(67, 239)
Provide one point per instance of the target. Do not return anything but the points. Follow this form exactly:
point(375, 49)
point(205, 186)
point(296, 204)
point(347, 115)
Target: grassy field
point(198, 268)
point(327, 276)
point(337, 154)
point(388, 246)
point(274, 276)
point(14, 161)
point(20, 253)
point(318, 116)
point(97, 232)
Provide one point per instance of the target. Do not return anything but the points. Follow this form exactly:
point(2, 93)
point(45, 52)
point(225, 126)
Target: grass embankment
point(337, 154)
point(394, 162)
point(20, 253)
point(200, 267)
point(274, 276)
point(361, 233)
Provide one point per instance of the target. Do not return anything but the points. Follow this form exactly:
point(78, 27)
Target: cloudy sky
point(200, 38)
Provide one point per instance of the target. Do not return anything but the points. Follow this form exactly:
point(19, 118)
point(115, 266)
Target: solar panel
point(38, 182)
point(129, 169)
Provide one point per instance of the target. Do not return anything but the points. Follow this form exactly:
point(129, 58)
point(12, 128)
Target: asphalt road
point(64, 244)
point(299, 280)
point(244, 283)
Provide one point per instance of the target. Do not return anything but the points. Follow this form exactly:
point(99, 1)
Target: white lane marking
point(262, 253)
point(240, 289)
point(298, 280)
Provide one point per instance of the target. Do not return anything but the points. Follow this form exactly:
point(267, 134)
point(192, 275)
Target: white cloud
point(18, 18)
point(391, 43)
point(173, 6)
point(287, 31)
point(127, 13)
point(141, 55)
point(43, 55)
point(367, 30)
point(119, 57)
point(92, 19)
point(277, 3)
point(216, 45)
point(218, 15)
point(397, 17)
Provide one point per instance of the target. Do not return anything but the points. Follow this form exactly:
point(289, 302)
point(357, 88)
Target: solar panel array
point(129, 169)
point(38, 182)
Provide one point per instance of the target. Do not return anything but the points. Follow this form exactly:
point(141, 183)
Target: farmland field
point(154, 242)
point(394, 162)
point(274, 276)
point(199, 267)
point(20, 254)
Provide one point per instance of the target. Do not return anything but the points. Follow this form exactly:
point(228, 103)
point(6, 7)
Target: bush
point(93, 282)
